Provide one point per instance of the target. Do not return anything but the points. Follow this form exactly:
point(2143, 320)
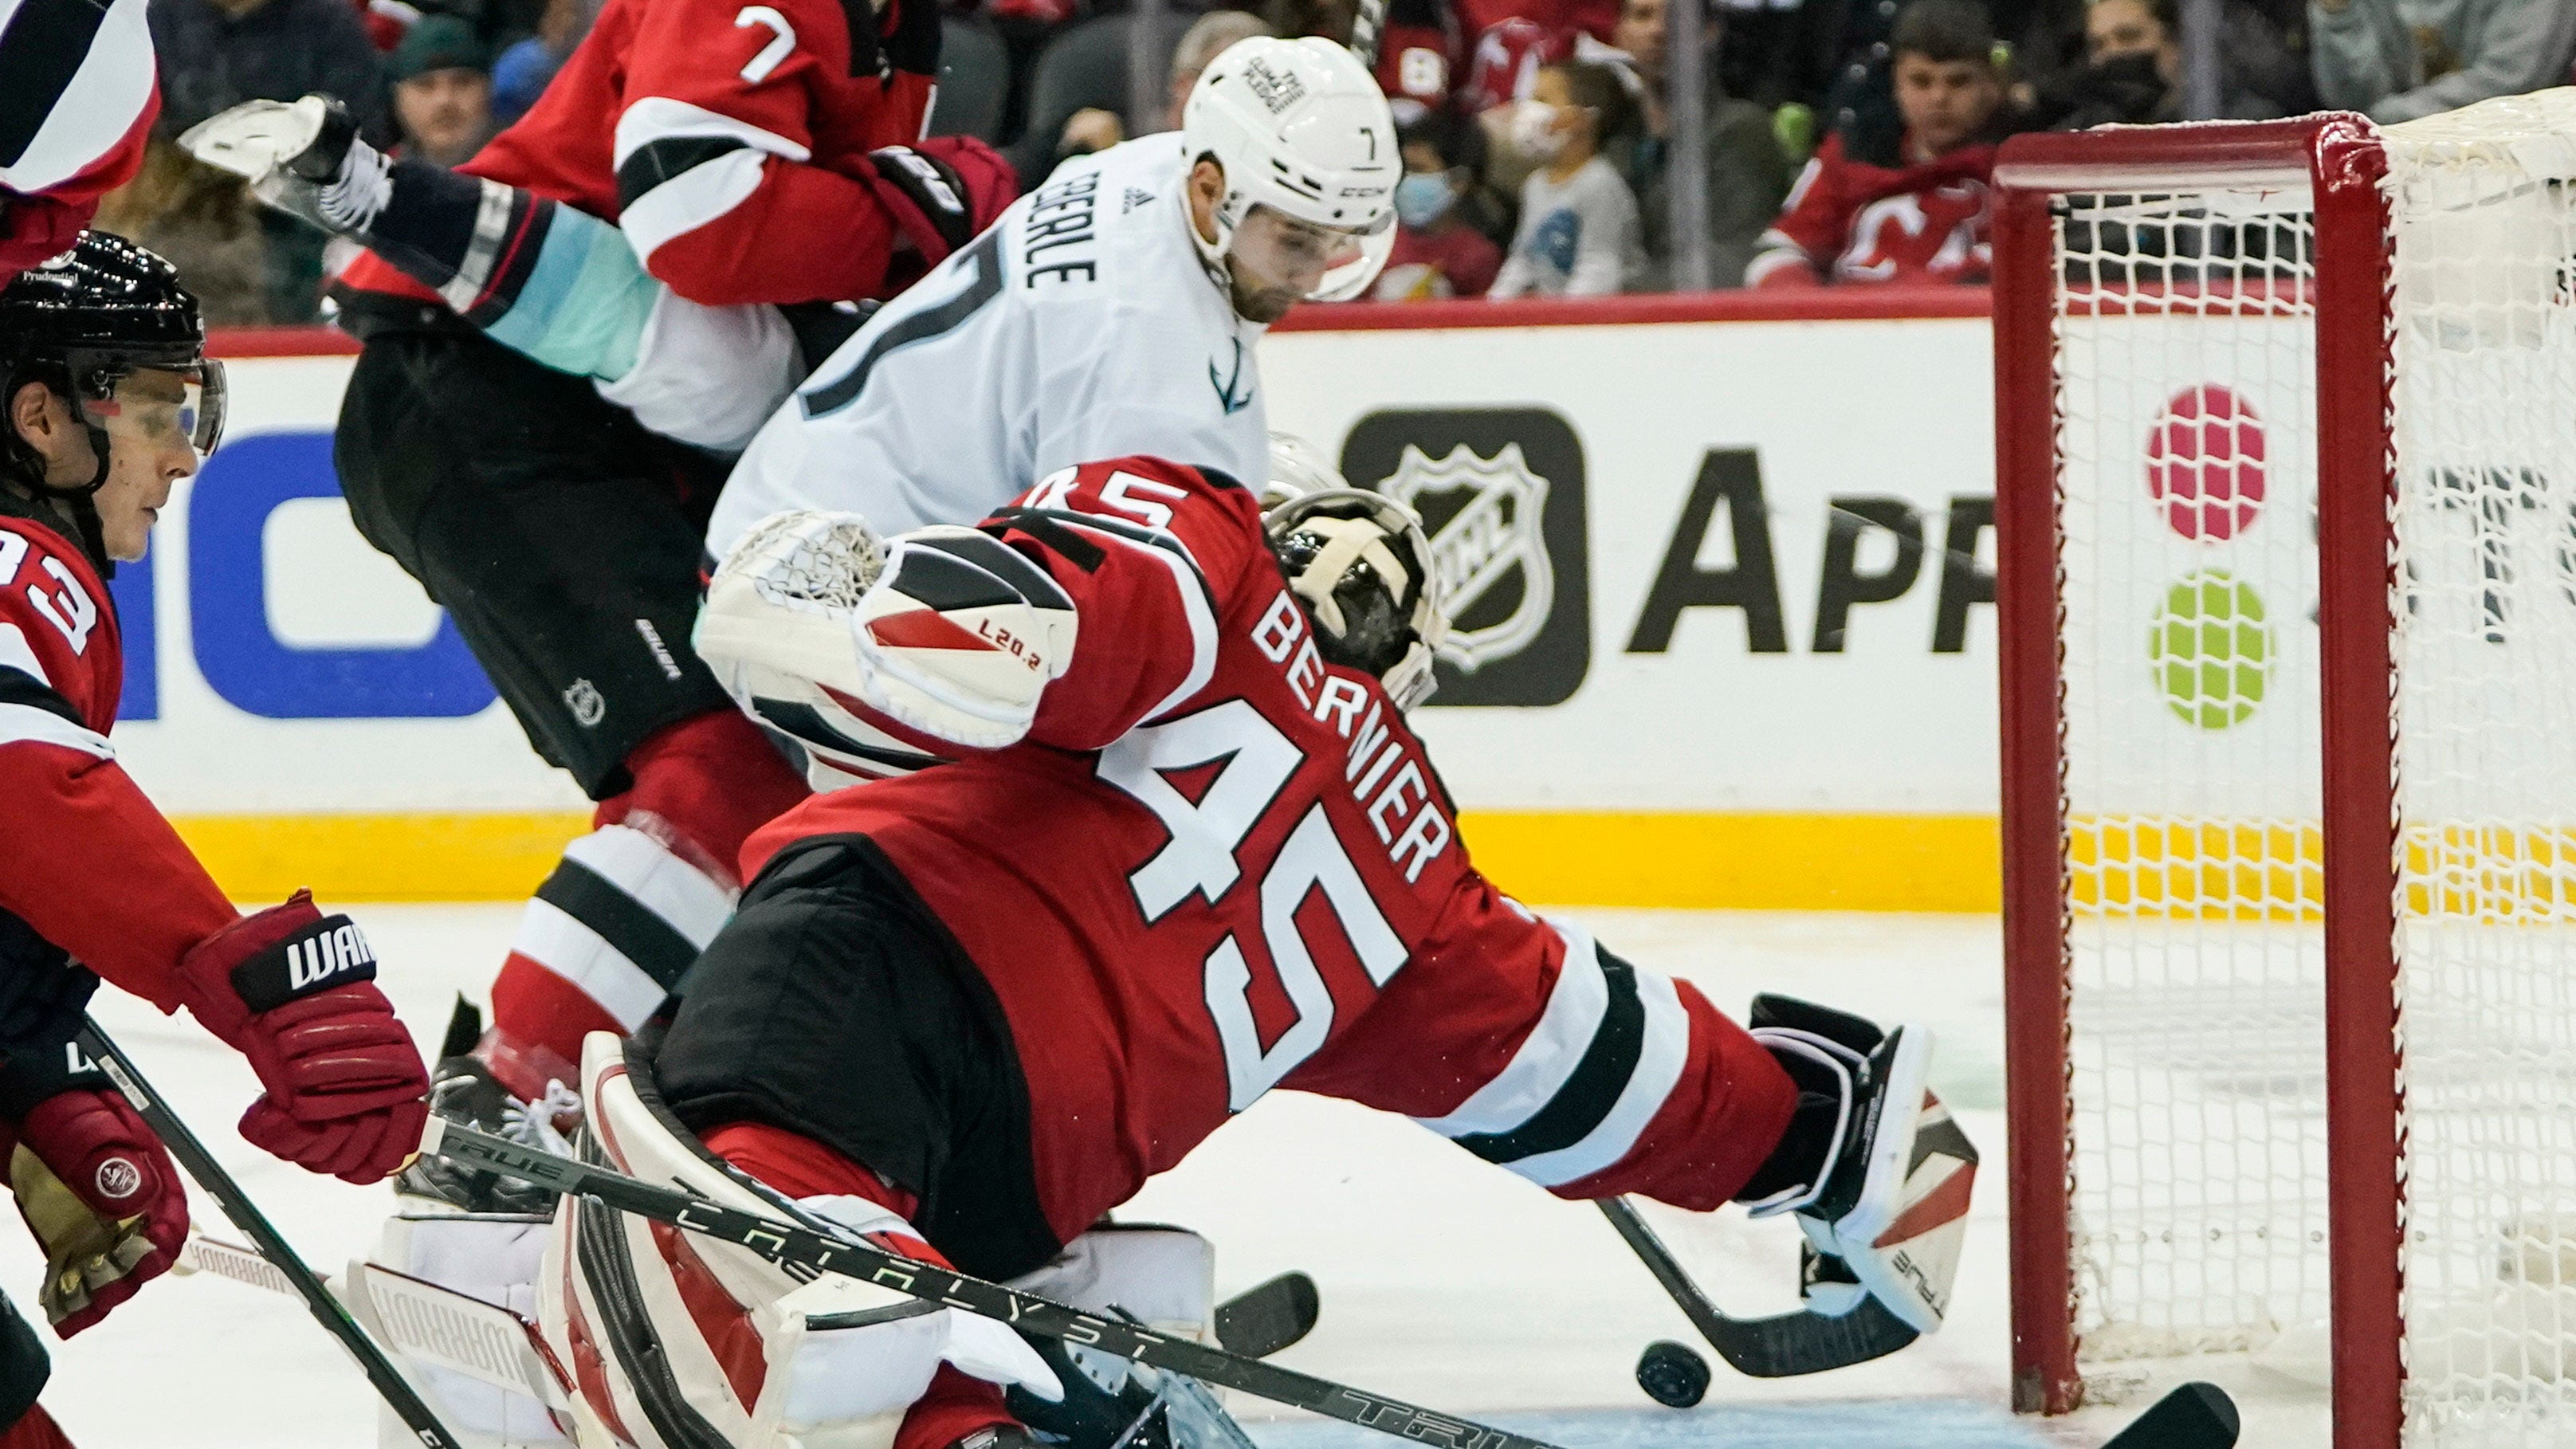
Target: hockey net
point(2287, 436)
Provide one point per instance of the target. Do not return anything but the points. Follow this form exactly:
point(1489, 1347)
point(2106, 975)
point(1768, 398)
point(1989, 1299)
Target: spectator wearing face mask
point(1438, 251)
point(2132, 68)
point(1579, 234)
point(1920, 213)
point(442, 91)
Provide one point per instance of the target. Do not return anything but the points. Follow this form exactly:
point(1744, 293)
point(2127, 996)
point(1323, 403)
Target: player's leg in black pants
point(24, 1367)
point(564, 539)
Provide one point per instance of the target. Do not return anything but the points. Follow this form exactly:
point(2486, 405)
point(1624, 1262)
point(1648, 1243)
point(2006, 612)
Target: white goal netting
point(2186, 359)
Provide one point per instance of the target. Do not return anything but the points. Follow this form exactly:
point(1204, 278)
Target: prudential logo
point(2212, 644)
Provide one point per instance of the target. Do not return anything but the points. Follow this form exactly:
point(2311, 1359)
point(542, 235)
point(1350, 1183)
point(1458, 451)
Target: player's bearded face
point(1277, 261)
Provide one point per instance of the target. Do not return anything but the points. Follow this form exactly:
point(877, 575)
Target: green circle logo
point(2211, 649)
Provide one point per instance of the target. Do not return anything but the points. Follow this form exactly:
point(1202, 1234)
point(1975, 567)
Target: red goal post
point(2284, 991)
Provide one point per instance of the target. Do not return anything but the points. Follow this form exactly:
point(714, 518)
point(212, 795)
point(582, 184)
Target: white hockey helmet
point(1300, 128)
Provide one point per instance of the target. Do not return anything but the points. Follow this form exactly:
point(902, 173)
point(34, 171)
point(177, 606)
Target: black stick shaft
point(787, 1244)
point(210, 1175)
point(1781, 1346)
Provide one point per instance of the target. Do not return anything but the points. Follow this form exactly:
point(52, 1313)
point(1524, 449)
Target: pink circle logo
point(2205, 463)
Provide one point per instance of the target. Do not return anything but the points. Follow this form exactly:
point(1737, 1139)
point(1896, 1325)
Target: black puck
point(1672, 1374)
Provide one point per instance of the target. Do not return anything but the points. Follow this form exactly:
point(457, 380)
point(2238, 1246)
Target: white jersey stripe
point(26, 724)
point(103, 100)
point(16, 653)
point(1548, 1055)
point(690, 200)
point(1659, 1067)
point(584, 958)
point(660, 118)
point(687, 898)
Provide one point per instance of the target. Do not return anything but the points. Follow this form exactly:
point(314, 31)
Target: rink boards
point(1726, 625)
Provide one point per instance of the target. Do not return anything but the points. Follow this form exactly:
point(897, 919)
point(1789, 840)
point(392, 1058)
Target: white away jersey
point(1081, 325)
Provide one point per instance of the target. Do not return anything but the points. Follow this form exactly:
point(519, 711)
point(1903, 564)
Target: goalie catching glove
point(1875, 1171)
point(941, 637)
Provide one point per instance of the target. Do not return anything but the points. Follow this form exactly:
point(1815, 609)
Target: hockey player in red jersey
point(1189, 852)
point(81, 94)
point(1919, 213)
point(769, 154)
point(109, 401)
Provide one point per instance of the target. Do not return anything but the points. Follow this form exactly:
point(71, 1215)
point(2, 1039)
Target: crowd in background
point(1844, 141)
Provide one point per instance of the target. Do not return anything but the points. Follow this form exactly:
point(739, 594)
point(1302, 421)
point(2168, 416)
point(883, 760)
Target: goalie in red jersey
point(108, 402)
point(1186, 850)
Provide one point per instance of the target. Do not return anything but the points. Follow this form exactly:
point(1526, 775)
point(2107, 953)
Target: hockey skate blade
point(1268, 1317)
point(253, 139)
point(2195, 1416)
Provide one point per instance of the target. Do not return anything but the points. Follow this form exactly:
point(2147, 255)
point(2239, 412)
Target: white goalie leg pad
point(676, 1339)
point(493, 1257)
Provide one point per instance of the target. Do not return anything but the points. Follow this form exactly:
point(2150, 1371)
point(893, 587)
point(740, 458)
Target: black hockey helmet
point(81, 324)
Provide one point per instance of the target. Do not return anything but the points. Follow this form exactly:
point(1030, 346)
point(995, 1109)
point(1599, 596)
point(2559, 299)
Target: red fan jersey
point(1219, 864)
point(1849, 221)
point(727, 142)
point(87, 864)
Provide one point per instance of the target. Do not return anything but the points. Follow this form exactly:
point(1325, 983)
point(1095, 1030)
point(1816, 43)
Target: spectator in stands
point(522, 72)
point(1747, 172)
point(1438, 253)
point(217, 53)
point(2132, 69)
point(204, 223)
point(2400, 59)
point(1919, 212)
point(1579, 234)
point(1097, 128)
point(443, 91)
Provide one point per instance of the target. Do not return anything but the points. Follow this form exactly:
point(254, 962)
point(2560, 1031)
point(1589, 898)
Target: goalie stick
point(328, 1311)
point(1780, 1346)
point(794, 1247)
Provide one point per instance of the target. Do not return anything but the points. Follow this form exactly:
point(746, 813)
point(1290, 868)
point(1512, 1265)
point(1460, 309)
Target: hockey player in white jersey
point(1113, 311)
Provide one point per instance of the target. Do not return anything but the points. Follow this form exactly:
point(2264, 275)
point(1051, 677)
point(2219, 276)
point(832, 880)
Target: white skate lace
point(353, 199)
point(532, 1124)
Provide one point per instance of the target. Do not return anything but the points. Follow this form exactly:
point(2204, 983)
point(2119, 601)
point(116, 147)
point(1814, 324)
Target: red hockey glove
point(940, 192)
point(294, 991)
point(102, 1198)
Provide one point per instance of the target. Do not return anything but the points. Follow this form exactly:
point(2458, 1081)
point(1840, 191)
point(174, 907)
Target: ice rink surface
point(1444, 1280)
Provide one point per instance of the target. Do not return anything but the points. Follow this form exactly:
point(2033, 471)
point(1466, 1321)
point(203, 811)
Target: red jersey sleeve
point(1528, 1044)
point(1147, 550)
point(1813, 226)
point(87, 862)
point(739, 124)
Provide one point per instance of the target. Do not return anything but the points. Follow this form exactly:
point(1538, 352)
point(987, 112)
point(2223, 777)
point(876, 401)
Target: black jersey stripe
point(655, 162)
point(625, 923)
point(1595, 1085)
point(40, 51)
point(19, 687)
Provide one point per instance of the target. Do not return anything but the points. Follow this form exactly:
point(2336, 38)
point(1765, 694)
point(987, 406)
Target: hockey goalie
point(1185, 850)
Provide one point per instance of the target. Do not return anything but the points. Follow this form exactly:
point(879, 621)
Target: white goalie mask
point(1361, 564)
point(1308, 147)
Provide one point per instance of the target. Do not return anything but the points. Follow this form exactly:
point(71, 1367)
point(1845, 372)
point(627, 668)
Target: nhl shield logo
point(1485, 516)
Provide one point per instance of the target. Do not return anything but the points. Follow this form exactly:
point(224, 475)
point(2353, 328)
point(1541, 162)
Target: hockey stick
point(421, 1320)
point(210, 1175)
point(1368, 27)
point(791, 1246)
point(1781, 1346)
